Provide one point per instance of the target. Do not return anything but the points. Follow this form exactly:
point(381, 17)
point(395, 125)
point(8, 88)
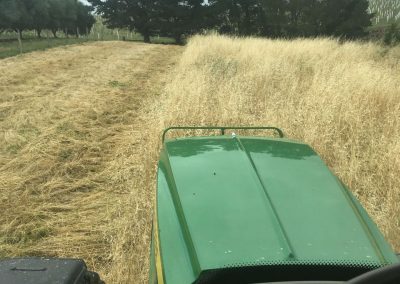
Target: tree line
point(269, 18)
point(70, 16)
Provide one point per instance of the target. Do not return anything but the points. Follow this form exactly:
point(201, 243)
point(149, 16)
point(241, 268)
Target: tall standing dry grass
point(342, 99)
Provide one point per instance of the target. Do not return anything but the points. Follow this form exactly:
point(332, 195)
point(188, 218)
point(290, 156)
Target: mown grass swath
point(77, 153)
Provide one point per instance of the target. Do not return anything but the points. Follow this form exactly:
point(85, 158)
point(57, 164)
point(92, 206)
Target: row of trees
point(69, 16)
point(271, 18)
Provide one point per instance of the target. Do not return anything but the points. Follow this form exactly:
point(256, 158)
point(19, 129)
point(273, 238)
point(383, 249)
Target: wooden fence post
point(19, 41)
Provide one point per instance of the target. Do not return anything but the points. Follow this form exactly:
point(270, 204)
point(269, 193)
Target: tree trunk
point(178, 38)
point(146, 37)
point(20, 34)
point(54, 33)
point(39, 31)
point(20, 40)
point(47, 38)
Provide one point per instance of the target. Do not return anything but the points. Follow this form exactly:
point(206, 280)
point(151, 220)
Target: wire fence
point(11, 44)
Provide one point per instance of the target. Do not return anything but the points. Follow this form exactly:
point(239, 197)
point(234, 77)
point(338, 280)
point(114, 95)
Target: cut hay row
point(77, 154)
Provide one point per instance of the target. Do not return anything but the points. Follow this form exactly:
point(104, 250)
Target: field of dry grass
point(80, 132)
point(76, 153)
point(343, 99)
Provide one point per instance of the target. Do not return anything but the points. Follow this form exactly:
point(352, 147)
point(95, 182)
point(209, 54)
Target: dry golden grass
point(80, 132)
point(343, 99)
point(76, 159)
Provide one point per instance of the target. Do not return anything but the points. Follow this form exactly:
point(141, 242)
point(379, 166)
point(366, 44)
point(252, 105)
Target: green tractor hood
point(229, 203)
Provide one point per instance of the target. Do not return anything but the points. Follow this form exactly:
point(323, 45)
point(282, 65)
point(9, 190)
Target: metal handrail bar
point(222, 129)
